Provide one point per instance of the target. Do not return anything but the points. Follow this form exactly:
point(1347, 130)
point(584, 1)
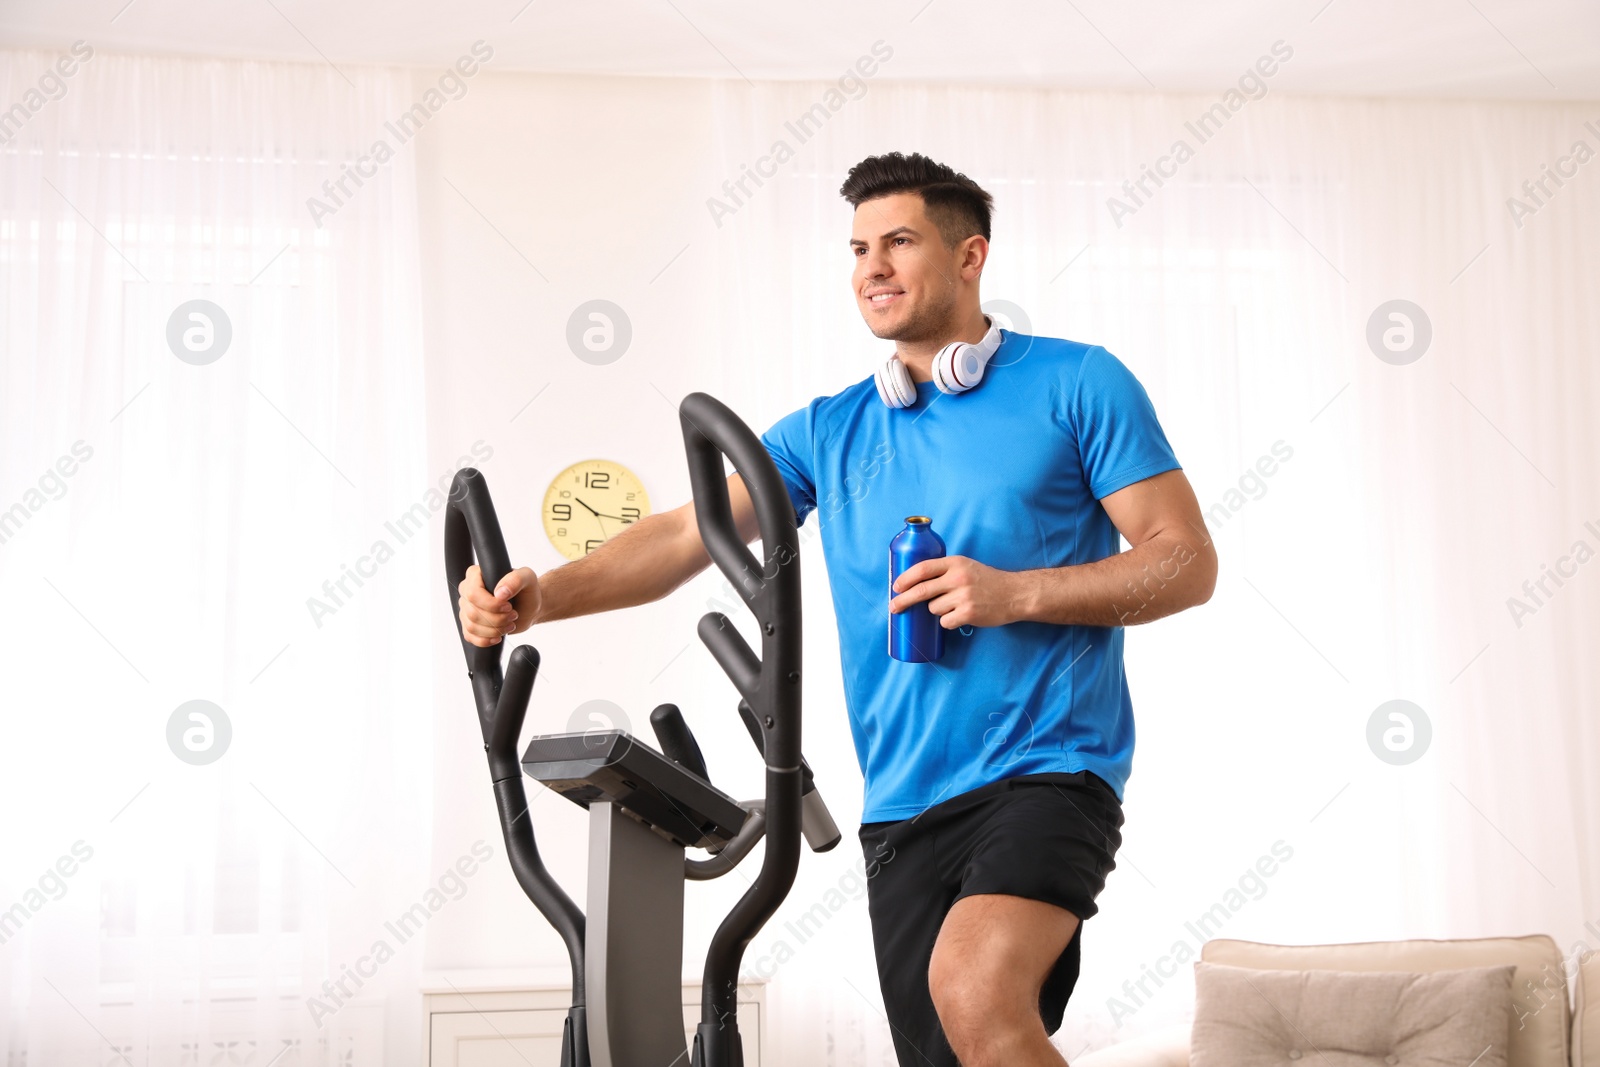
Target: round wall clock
point(589, 503)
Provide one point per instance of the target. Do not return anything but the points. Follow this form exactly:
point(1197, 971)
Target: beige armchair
point(1545, 1032)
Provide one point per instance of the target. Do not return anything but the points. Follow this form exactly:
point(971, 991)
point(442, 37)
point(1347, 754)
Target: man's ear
point(974, 254)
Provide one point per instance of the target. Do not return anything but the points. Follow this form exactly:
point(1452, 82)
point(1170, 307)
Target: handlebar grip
point(677, 740)
point(816, 822)
point(735, 658)
point(510, 710)
point(710, 431)
point(470, 501)
point(472, 531)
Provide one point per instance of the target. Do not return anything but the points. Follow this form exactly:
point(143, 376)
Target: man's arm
point(645, 562)
point(1171, 566)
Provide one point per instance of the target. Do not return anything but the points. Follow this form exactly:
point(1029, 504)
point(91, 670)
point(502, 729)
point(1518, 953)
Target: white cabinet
point(514, 1019)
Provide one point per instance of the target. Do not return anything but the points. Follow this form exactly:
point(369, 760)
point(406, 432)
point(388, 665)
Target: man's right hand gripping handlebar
point(487, 617)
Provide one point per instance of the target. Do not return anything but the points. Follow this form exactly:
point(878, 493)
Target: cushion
point(1543, 1026)
point(1245, 1017)
point(1586, 1013)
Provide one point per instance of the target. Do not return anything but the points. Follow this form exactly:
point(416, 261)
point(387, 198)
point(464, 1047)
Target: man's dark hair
point(955, 203)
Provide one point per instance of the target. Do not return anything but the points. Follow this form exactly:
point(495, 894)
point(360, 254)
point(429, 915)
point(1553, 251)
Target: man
point(994, 775)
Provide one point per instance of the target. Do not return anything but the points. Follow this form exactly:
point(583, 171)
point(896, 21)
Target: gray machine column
point(634, 950)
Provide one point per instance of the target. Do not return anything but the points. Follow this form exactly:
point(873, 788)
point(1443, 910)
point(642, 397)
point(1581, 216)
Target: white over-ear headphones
point(957, 368)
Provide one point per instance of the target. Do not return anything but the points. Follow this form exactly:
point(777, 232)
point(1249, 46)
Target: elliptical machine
point(648, 807)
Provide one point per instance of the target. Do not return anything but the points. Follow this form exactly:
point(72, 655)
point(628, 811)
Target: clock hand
point(598, 514)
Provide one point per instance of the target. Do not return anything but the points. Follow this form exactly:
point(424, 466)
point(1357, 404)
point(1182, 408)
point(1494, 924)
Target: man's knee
point(988, 969)
point(981, 1002)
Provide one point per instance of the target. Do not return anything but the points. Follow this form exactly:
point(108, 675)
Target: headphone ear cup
point(943, 366)
point(959, 365)
point(906, 388)
point(895, 387)
point(967, 367)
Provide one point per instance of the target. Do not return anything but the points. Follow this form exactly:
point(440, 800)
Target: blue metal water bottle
point(915, 635)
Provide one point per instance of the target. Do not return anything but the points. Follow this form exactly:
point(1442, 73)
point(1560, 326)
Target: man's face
point(905, 277)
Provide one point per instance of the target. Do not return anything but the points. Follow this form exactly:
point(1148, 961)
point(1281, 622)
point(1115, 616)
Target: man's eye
point(897, 240)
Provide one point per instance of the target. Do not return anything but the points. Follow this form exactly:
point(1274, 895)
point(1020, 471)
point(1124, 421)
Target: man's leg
point(992, 956)
point(907, 900)
point(976, 908)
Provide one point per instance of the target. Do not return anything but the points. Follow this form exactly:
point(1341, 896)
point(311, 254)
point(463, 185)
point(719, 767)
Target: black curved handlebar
point(771, 684)
point(677, 740)
point(472, 529)
point(771, 590)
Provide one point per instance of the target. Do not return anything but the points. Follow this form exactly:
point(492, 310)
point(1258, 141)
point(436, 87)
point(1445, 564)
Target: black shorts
point(1050, 837)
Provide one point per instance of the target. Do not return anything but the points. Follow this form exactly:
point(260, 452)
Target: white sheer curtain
point(1373, 516)
point(167, 523)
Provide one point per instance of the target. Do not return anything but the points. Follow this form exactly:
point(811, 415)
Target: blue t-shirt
point(1011, 474)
